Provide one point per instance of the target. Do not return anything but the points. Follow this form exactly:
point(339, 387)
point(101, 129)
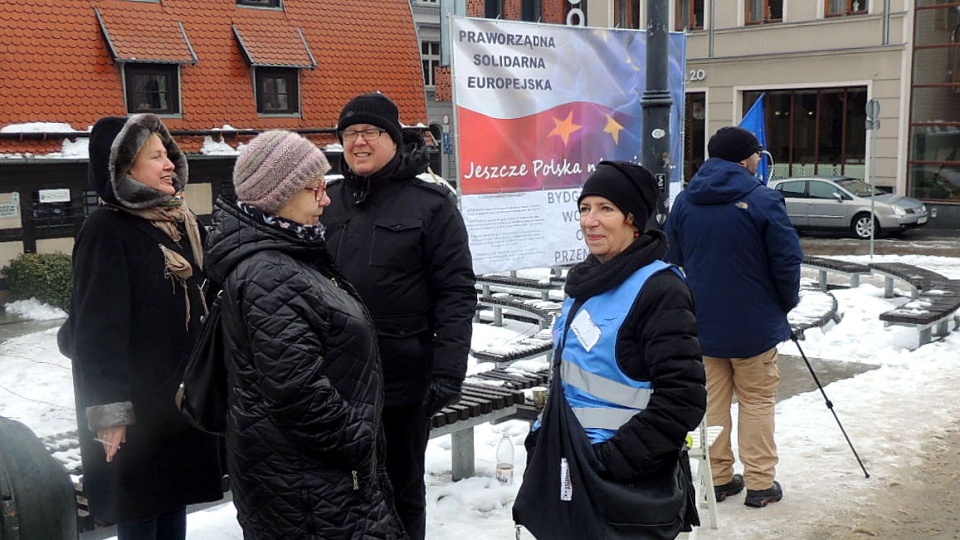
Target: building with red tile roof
point(248, 64)
point(225, 69)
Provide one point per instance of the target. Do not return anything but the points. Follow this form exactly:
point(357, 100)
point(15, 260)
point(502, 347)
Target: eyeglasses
point(318, 191)
point(369, 134)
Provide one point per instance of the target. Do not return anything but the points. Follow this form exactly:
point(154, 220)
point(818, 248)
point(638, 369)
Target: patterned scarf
point(310, 233)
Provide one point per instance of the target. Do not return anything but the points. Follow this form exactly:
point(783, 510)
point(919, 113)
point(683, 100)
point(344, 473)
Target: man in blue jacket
point(742, 258)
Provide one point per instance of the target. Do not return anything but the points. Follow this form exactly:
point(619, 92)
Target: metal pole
point(656, 104)
point(873, 124)
point(793, 337)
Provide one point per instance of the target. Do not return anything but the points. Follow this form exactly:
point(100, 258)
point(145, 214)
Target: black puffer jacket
point(402, 242)
point(303, 430)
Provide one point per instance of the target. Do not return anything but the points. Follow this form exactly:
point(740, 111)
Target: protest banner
point(537, 107)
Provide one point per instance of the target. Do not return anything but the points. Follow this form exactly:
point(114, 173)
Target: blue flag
point(755, 122)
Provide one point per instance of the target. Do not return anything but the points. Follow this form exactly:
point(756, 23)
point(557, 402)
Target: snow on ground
point(887, 412)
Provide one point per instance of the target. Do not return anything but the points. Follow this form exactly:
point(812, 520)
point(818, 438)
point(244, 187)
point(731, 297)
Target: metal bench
point(542, 288)
point(817, 309)
point(825, 266)
point(539, 344)
point(480, 404)
point(915, 277)
point(930, 312)
point(543, 311)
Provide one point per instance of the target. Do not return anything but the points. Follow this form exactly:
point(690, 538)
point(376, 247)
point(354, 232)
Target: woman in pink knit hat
point(304, 441)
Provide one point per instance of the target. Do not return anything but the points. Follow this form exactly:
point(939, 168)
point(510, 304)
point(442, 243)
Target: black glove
point(441, 392)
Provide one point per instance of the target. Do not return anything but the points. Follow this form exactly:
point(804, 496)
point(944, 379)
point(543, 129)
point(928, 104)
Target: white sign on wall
point(54, 195)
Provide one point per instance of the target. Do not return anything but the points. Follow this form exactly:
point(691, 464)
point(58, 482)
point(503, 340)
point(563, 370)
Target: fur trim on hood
point(114, 145)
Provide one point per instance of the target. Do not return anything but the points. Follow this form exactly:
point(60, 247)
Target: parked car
point(843, 203)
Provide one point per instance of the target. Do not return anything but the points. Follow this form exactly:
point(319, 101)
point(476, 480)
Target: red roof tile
point(55, 64)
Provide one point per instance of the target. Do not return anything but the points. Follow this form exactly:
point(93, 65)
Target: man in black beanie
point(737, 145)
point(402, 243)
point(741, 255)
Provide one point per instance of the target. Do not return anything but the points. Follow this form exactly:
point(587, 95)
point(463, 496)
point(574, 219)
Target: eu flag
point(755, 122)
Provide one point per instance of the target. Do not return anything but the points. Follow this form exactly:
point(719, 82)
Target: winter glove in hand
point(441, 392)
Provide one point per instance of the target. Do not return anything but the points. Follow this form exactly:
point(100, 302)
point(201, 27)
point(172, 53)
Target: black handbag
point(202, 397)
point(565, 496)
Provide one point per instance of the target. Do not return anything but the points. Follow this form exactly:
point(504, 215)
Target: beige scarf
point(166, 217)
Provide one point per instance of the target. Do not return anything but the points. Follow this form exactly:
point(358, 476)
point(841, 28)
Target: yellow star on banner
point(613, 128)
point(564, 128)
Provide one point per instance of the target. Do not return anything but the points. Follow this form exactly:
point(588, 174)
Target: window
point(933, 169)
point(626, 14)
point(847, 7)
point(815, 131)
point(822, 190)
point(493, 9)
point(689, 15)
point(764, 11)
point(152, 88)
point(259, 3)
point(430, 57)
point(695, 133)
point(530, 10)
point(793, 190)
point(278, 91)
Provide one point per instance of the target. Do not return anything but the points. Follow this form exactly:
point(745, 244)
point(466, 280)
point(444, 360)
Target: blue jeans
point(168, 526)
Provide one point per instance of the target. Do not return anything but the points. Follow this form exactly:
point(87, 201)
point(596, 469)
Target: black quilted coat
point(303, 430)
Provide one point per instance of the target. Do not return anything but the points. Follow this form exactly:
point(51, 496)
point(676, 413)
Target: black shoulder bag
point(202, 397)
point(564, 495)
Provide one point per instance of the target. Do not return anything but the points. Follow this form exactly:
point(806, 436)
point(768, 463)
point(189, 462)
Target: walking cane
point(793, 337)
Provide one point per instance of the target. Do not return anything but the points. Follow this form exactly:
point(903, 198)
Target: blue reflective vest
point(602, 396)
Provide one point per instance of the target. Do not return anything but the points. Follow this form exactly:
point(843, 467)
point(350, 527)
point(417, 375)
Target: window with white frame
point(689, 14)
point(430, 57)
point(152, 88)
point(847, 7)
point(626, 14)
point(764, 11)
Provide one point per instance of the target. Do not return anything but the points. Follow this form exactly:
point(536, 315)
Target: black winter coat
point(402, 242)
point(131, 341)
point(657, 342)
point(303, 428)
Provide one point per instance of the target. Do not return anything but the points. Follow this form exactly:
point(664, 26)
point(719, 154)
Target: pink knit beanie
point(274, 167)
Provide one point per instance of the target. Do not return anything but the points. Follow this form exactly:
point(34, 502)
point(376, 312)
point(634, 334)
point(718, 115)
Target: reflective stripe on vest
point(602, 396)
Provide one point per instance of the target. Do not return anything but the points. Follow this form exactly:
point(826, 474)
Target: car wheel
point(862, 224)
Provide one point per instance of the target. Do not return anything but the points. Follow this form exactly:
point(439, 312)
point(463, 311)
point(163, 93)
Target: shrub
point(46, 277)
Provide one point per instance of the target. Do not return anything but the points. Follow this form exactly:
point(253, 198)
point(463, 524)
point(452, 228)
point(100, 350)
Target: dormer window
point(278, 90)
point(276, 60)
point(152, 88)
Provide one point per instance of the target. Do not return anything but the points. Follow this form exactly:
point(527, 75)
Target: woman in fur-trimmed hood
point(136, 309)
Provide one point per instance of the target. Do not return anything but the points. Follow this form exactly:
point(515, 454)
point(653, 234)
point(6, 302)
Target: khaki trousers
point(754, 381)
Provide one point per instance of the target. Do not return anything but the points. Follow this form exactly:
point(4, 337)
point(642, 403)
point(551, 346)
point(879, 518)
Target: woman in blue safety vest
point(607, 457)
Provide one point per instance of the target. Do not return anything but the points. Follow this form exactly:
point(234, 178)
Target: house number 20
point(697, 75)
